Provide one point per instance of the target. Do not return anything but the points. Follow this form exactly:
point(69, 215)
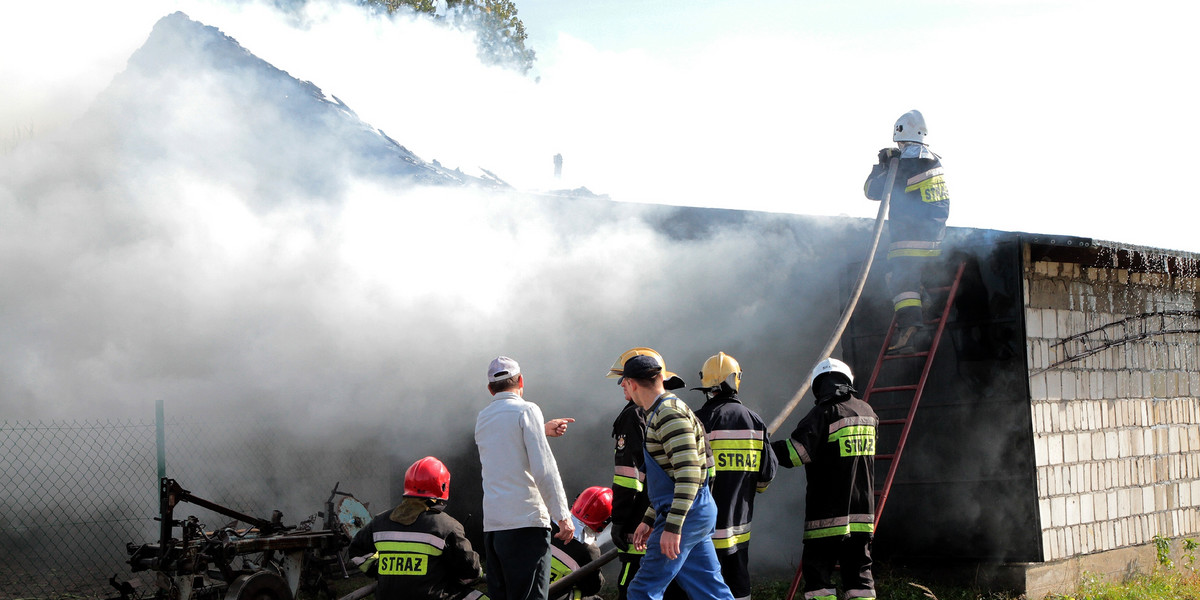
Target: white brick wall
point(1117, 432)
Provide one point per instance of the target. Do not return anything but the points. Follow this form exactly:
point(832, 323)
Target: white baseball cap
point(502, 368)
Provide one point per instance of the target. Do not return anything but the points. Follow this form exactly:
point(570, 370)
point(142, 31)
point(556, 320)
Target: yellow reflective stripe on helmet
point(907, 303)
point(408, 547)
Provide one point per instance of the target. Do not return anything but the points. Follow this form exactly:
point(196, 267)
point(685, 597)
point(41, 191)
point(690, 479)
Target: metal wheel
point(262, 585)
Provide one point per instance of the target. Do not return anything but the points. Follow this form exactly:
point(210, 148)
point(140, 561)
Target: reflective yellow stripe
point(862, 528)
point(793, 455)
point(932, 189)
point(855, 440)
point(907, 303)
point(736, 445)
point(403, 564)
point(731, 541)
point(825, 532)
point(737, 460)
point(557, 569)
point(624, 578)
point(408, 547)
point(627, 482)
point(839, 530)
point(913, 252)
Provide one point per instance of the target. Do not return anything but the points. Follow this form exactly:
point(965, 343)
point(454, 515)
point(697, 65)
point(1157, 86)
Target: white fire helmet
point(910, 127)
point(830, 365)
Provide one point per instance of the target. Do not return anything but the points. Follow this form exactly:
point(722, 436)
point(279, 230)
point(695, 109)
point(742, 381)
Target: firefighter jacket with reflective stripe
point(426, 559)
point(920, 201)
point(835, 442)
point(745, 465)
point(629, 475)
point(567, 557)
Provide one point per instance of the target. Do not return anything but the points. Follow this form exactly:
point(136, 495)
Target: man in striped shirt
point(677, 528)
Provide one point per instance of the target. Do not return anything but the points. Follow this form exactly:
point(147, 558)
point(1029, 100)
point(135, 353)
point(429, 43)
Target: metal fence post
point(160, 429)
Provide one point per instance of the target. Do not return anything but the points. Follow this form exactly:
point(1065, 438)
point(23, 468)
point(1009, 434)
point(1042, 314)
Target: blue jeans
point(696, 569)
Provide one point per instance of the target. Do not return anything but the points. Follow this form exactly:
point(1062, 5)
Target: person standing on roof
point(745, 466)
point(416, 551)
point(522, 492)
point(629, 502)
point(677, 529)
point(917, 212)
point(835, 442)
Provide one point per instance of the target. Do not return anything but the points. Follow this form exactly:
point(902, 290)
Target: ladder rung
point(885, 456)
point(892, 421)
point(894, 388)
point(913, 355)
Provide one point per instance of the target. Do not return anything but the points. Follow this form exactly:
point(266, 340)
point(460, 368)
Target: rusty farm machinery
point(249, 559)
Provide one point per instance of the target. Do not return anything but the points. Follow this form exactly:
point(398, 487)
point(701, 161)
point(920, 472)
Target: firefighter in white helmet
point(919, 206)
point(745, 466)
point(835, 442)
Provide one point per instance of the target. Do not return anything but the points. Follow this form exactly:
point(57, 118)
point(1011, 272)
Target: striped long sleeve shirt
point(675, 440)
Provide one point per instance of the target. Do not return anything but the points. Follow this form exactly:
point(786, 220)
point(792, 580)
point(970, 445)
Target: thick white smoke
point(209, 254)
point(190, 236)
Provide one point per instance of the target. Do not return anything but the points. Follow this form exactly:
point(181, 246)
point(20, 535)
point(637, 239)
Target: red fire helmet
point(594, 507)
point(427, 478)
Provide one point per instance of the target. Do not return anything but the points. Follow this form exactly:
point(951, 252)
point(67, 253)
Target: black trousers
point(735, 568)
point(518, 563)
point(821, 555)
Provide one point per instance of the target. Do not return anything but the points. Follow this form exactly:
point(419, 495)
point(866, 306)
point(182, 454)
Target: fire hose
point(564, 585)
point(849, 310)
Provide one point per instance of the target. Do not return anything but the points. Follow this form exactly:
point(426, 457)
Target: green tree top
point(501, 33)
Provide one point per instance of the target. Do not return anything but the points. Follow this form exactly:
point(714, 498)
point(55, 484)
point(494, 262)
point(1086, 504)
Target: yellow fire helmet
point(720, 368)
point(671, 381)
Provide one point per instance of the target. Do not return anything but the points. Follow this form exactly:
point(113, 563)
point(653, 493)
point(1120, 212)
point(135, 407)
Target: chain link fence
point(73, 494)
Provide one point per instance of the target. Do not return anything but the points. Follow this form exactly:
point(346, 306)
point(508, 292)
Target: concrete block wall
point(1115, 405)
